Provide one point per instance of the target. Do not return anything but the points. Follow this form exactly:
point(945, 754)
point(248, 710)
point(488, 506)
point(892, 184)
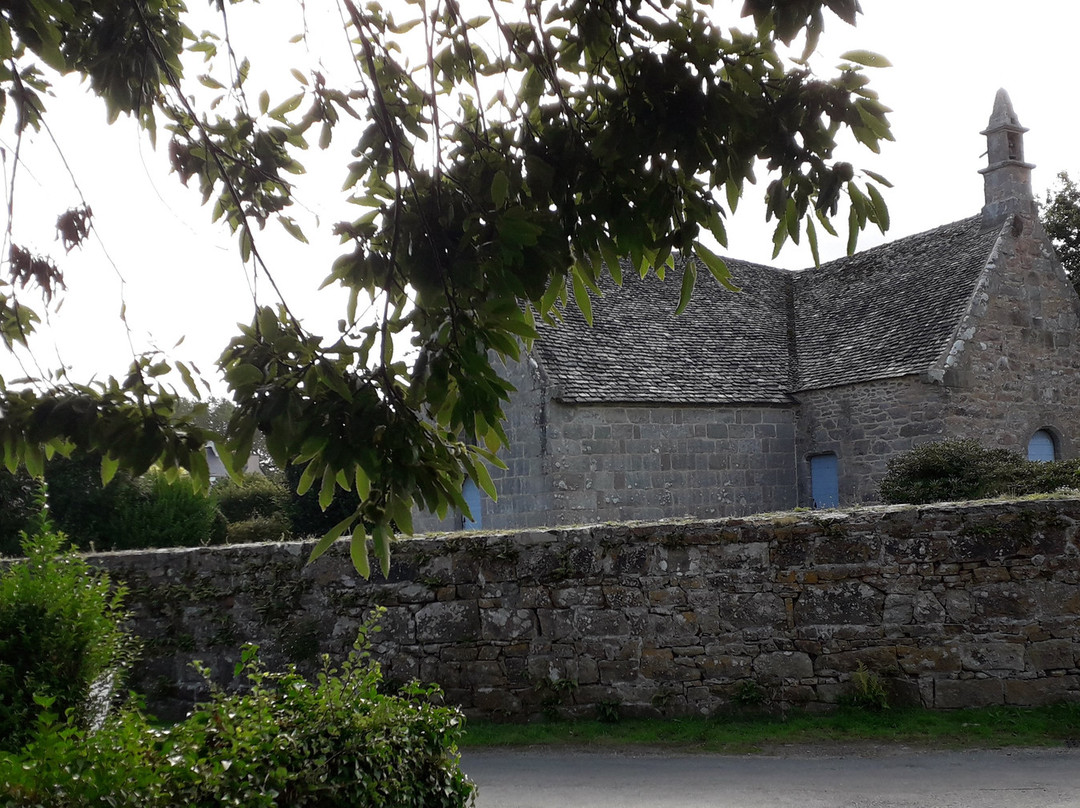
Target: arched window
point(1042, 447)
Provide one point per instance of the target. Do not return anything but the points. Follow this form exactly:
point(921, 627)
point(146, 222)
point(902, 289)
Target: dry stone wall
point(953, 605)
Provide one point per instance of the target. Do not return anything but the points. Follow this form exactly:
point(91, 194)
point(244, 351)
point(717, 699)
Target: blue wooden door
point(824, 482)
point(471, 494)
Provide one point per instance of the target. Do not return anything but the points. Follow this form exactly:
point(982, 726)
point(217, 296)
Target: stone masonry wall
point(1015, 365)
point(864, 425)
point(954, 605)
point(640, 462)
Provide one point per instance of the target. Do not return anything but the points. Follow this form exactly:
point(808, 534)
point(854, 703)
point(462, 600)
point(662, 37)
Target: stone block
point(508, 624)
point(932, 659)
point(762, 609)
point(955, 694)
point(1042, 691)
point(899, 609)
point(928, 609)
point(783, 665)
point(1051, 655)
point(555, 624)
point(983, 657)
point(726, 667)
point(878, 660)
point(839, 603)
point(450, 621)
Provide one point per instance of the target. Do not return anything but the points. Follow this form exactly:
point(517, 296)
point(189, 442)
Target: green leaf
point(332, 536)
point(109, 466)
point(293, 229)
point(500, 186)
point(688, 279)
point(716, 266)
point(581, 296)
point(307, 478)
point(382, 538)
point(326, 492)
point(866, 58)
point(811, 236)
point(358, 551)
point(483, 479)
point(363, 483)
point(881, 210)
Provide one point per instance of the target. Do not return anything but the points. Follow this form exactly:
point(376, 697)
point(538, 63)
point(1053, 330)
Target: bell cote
point(1006, 178)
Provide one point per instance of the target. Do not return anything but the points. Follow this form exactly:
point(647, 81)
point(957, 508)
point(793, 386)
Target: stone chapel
point(798, 389)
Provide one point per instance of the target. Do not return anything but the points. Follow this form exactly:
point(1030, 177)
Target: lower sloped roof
point(886, 312)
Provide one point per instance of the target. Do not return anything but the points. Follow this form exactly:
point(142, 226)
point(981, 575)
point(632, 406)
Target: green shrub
point(156, 513)
point(59, 635)
point(19, 503)
point(950, 470)
point(254, 497)
point(272, 528)
point(334, 742)
point(308, 516)
point(963, 469)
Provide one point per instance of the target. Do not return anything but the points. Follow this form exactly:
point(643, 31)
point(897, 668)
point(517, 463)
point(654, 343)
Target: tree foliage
point(1060, 213)
point(502, 162)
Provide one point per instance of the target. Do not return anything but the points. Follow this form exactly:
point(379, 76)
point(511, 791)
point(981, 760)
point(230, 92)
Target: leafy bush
point(308, 516)
point(963, 469)
point(19, 503)
point(262, 528)
point(337, 741)
point(254, 497)
point(256, 509)
point(59, 635)
point(156, 513)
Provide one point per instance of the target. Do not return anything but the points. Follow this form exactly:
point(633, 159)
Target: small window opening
point(1015, 150)
point(1042, 447)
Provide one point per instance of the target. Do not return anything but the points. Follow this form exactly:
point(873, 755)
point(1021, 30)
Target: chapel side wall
point(1015, 367)
point(634, 462)
point(523, 487)
point(864, 425)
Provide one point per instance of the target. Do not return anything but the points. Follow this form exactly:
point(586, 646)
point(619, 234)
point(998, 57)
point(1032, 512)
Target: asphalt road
point(855, 777)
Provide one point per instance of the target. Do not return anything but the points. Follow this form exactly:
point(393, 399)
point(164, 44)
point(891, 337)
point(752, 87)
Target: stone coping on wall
point(949, 605)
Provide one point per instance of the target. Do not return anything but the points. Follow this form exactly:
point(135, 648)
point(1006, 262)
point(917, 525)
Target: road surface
point(852, 777)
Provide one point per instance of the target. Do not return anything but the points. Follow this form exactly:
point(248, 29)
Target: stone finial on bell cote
point(1006, 178)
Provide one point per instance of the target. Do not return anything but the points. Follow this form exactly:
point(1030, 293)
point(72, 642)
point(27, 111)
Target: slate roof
point(889, 311)
point(725, 347)
point(886, 312)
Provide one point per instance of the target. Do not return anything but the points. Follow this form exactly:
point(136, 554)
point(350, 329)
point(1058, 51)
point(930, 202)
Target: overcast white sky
point(184, 279)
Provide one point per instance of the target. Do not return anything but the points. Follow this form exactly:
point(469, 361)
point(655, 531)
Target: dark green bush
point(963, 469)
point(156, 513)
point(19, 503)
point(254, 497)
point(308, 517)
point(261, 528)
point(59, 635)
point(334, 742)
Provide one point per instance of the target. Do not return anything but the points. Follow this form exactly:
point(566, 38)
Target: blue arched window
point(1042, 447)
